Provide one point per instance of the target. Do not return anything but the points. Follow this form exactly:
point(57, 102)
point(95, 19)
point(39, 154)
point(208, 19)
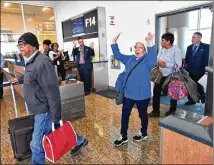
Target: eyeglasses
point(21, 45)
point(138, 47)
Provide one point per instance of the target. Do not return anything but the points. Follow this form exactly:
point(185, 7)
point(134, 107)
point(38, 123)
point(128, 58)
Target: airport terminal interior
point(83, 86)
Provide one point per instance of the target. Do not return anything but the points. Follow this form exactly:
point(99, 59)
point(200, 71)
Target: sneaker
point(120, 141)
point(78, 148)
point(140, 137)
point(154, 114)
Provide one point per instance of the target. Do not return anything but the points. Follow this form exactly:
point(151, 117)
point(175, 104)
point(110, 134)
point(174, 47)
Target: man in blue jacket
point(197, 57)
point(83, 56)
point(41, 93)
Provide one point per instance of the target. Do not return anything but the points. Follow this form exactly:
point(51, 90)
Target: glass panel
point(193, 19)
point(206, 35)
point(206, 18)
point(11, 28)
point(40, 21)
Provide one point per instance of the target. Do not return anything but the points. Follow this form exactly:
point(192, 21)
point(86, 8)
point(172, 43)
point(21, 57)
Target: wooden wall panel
point(206, 121)
point(178, 149)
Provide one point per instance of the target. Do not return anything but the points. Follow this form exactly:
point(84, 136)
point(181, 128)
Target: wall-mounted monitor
point(77, 25)
point(66, 29)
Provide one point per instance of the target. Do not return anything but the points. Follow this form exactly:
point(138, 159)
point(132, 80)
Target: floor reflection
point(101, 127)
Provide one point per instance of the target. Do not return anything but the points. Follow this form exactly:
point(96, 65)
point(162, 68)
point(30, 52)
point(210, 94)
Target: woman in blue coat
point(138, 87)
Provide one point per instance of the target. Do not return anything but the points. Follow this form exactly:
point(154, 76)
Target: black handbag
point(120, 96)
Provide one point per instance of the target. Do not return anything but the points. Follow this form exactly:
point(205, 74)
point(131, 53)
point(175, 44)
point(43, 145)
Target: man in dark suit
point(83, 55)
point(196, 60)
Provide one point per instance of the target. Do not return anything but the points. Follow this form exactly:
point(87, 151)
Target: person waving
point(138, 86)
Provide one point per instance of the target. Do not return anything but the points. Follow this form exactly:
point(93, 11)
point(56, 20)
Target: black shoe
point(140, 137)
point(202, 101)
point(189, 103)
point(154, 114)
point(78, 148)
point(120, 141)
point(170, 112)
point(87, 93)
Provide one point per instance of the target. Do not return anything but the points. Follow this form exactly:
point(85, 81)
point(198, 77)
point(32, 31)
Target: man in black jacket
point(197, 57)
point(83, 57)
point(41, 93)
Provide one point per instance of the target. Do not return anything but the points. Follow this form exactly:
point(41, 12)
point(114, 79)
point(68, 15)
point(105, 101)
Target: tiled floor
point(101, 127)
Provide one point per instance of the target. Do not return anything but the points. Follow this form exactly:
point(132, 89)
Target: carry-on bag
point(20, 130)
point(59, 141)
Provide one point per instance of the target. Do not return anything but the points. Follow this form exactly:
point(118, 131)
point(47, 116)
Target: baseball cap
point(29, 38)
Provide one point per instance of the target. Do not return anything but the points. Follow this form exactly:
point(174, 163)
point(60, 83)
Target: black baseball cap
point(29, 38)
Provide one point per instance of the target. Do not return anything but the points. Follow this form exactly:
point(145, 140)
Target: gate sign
point(91, 22)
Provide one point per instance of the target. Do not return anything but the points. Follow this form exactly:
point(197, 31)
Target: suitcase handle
point(60, 122)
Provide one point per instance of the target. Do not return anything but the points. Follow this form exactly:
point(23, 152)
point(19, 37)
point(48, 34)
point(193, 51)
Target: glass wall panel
point(11, 28)
point(206, 24)
point(40, 21)
point(193, 19)
point(206, 18)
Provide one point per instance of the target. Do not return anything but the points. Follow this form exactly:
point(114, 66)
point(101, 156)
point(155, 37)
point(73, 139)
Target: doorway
point(183, 23)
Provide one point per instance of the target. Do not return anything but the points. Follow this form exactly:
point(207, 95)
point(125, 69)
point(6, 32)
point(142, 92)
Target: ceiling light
point(44, 8)
point(6, 4)
point(51, 18)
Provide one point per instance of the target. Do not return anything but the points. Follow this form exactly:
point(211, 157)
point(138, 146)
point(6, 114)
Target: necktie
point(194, 50)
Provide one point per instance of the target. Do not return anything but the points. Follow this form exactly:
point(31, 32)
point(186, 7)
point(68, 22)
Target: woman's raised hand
point(115, 39)
point(150, 38)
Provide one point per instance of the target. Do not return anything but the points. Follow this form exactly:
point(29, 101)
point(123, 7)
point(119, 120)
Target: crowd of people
point(40, 76)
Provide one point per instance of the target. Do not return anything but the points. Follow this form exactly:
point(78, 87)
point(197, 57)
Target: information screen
point(77, 26)
point(66, 28)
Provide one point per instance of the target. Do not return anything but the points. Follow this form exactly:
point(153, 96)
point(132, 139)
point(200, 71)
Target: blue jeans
point(42, 126)
point(142, 106)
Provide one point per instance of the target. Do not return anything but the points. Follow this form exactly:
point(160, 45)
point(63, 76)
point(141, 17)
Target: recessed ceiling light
point(51, 18)
point(6, 4)
point(44, 8)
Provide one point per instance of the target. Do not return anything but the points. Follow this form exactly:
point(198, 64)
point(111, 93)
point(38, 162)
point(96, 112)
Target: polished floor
point(101, 127)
